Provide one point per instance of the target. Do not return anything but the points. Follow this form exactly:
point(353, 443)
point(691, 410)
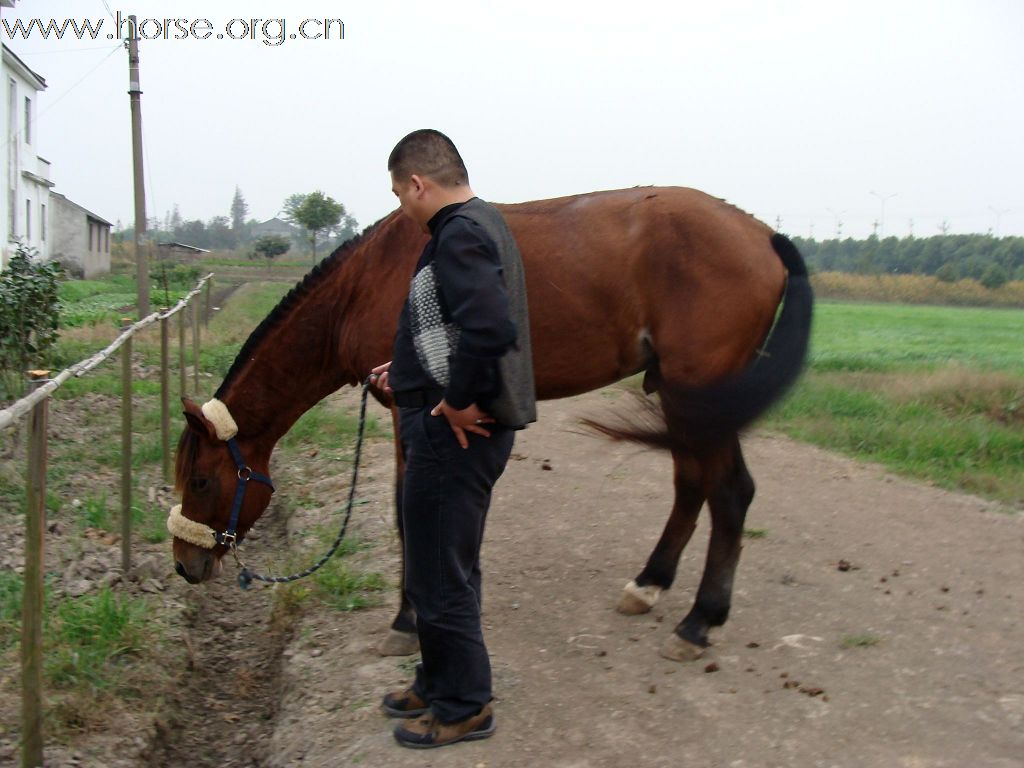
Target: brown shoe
point(427, 732)
point(404, 704)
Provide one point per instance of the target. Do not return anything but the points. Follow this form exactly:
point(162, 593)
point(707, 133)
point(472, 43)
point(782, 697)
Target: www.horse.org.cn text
point(272, 32)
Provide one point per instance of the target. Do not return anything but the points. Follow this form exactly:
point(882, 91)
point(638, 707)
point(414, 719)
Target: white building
point(54, 226)
point(24, 216)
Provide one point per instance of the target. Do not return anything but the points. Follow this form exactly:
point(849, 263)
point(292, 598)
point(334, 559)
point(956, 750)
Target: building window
point(28, 220)
point(42, 222)
point(28, 120)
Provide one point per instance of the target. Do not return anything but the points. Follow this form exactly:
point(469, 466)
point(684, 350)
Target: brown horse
point(666, 281)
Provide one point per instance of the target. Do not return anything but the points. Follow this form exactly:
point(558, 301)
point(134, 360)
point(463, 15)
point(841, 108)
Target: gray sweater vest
point(516, 406)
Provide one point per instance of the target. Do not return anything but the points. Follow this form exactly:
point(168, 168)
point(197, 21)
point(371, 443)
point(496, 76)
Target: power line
point(57, 100)
point(78, 82)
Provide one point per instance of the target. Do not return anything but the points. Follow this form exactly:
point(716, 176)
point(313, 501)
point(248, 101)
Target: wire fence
point(35, 406)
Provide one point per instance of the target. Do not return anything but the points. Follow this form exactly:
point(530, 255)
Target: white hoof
point(636, 600)
point(397, 643)
point(677, 649)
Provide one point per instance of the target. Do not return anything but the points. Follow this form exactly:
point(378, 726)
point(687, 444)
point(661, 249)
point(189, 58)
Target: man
point(462, 376)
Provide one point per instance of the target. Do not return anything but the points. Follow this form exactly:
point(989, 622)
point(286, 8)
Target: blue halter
point(230, 538)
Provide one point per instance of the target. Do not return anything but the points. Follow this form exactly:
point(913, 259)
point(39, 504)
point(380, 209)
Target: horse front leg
point(640, 595)
point(401, 639)
point(728, 501)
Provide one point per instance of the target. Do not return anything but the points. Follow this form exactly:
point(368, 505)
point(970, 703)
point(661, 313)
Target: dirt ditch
point(225, 700)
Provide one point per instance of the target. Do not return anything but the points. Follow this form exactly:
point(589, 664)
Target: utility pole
point(999, 214)
point(839, 222)
point(881, 219)
point(135, 95)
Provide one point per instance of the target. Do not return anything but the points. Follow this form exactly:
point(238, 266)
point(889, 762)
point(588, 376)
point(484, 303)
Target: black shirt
point(469, 275)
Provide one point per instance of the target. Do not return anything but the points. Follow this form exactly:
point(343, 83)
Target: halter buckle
point(244, 474)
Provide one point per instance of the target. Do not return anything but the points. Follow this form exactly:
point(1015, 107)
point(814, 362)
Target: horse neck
point(332, 335)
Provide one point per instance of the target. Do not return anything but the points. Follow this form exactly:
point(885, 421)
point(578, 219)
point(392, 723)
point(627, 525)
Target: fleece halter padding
point(217, 414)
point(189, 530)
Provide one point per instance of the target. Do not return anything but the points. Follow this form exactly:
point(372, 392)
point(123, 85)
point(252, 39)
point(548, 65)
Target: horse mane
point(313, 278)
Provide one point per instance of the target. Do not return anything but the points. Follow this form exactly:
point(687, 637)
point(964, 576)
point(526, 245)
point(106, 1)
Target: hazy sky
point(796, 110)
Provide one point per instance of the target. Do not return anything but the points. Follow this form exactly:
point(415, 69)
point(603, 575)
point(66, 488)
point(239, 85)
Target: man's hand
point(466, 420)
point(380, 376)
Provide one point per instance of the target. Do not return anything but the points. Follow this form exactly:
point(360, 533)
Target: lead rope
point(246, 576)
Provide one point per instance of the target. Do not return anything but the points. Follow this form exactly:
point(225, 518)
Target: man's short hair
point(427, 152)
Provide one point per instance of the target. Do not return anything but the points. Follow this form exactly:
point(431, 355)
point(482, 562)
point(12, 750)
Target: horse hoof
point(677, 649)
point(636, 600)
point(399, 644)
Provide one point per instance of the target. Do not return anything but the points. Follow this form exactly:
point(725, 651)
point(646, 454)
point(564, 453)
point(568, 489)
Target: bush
point(994, 277)
point(29, 318)
point(270, 246)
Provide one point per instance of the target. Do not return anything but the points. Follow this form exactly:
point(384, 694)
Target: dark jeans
point(445, 497)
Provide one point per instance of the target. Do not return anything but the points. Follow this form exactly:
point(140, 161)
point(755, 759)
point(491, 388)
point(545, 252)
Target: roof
point(89, 214)
point(11, 59)
point(183, 246)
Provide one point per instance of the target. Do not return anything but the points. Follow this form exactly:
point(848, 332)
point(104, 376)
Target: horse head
point(224, 486)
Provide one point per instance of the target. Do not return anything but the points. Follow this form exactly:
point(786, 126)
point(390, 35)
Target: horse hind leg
point(640, 594)
point(728, 501)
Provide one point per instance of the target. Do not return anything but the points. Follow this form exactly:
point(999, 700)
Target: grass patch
point(338, 583)
point(860, 641)
point(11, 585)
point(92, 648)
point(935, 393)
point(892, 337)
point(95, 512)
point(90, 634)
point(755, 533)
point(328, 426)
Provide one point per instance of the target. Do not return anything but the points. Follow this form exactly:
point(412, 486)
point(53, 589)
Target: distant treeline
point(992, 261)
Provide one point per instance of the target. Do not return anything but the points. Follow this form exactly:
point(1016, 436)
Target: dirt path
point(229, 689)
point(913, 655)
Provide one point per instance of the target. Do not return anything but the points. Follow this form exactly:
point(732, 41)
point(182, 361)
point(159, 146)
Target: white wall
point(25, 197)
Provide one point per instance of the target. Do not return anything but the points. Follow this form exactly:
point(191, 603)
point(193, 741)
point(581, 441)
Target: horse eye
point(198, 484)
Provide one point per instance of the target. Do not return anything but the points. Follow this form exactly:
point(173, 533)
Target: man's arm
point(469, 275)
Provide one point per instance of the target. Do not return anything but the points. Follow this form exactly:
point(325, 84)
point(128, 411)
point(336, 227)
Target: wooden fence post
point(209, 299)
point(126, 454)
point(181, 353)
point(32, 597)
point(195, 345)
point(165, 397)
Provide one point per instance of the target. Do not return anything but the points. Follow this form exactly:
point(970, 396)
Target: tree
point(270, 246)
point(948, 273)
point(219, 233)
point(291, 204)
point(318, 213)
point(239, 209)
point(994, 277)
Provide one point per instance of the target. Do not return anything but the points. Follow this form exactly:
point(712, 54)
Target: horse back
point(618, 280)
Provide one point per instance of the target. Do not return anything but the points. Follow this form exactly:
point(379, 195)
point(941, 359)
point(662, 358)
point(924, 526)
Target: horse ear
point(195, 418)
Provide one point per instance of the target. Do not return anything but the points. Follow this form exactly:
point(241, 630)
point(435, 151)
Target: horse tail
point(695, 418)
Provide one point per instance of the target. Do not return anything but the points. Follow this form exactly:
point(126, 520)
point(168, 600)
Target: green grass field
point(935, 393)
